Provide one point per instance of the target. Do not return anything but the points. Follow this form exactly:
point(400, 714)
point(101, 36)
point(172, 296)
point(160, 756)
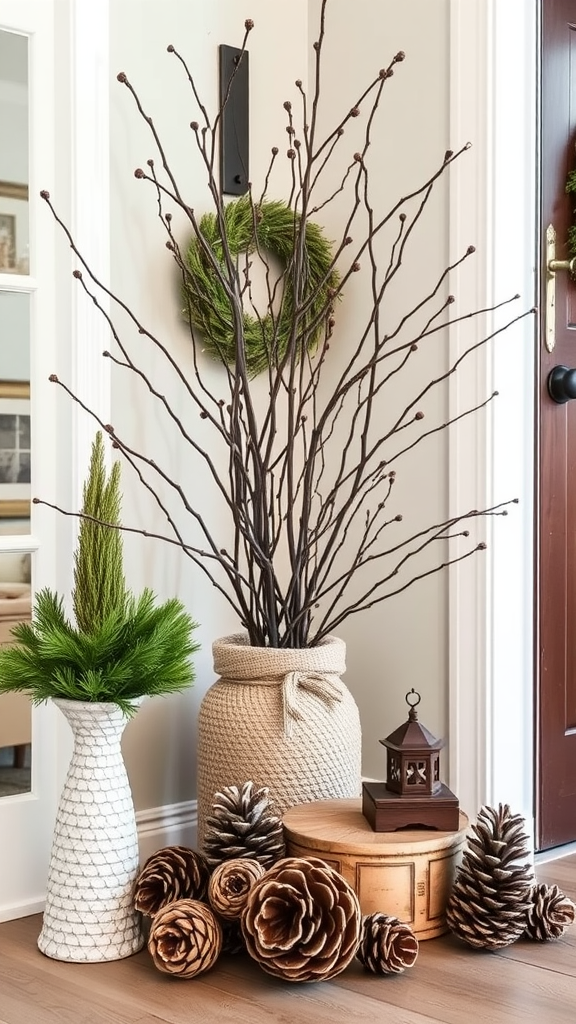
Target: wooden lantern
point(413, 795)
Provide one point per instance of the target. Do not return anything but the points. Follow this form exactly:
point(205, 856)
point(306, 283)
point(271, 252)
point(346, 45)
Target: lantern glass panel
point(394, 771)
point(417, 773)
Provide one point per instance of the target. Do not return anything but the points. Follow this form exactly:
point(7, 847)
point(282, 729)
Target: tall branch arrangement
point(308, 476)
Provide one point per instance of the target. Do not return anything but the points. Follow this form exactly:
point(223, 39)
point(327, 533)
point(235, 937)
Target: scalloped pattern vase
point(89, 914)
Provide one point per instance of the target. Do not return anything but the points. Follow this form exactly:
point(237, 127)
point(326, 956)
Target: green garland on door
point(268, 226)
point(571, 189)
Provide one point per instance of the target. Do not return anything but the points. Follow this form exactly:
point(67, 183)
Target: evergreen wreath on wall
point(265, 227)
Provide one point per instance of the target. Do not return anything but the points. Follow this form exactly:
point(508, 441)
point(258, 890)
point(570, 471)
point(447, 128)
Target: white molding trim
point(12, 911)
point(169, 825)
point(85, 176)
point(493, 73)
point(555, 854)
point(467, 443)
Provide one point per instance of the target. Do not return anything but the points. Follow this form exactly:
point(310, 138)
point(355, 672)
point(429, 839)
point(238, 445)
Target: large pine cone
point(387, 946)
point(241, 824)
point(185, 938)
point(174, 873)
point(491, 895)
point(550, 913)
point(230, 885)
point(302, 921)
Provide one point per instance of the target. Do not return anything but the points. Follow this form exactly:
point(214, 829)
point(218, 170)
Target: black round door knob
point(562, 384)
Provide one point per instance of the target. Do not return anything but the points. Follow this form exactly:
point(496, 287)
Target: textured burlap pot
point(281, 718)
point(89, 914)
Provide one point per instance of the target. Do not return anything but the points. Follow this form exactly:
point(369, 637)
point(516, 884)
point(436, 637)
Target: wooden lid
point(338, 826)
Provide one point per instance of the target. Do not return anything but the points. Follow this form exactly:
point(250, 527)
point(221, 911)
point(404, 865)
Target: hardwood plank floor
point(527, 983)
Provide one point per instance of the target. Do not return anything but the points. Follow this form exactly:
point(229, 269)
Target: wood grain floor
point(528, 983)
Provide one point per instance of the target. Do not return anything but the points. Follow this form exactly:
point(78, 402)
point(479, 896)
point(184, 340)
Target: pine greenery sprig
point(571, 240)
point(122, 647)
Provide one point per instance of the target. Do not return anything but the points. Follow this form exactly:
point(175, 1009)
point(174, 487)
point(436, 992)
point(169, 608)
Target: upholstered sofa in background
point(15, 719)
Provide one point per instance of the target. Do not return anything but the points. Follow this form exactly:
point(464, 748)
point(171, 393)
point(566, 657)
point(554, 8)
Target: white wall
point(401, 643)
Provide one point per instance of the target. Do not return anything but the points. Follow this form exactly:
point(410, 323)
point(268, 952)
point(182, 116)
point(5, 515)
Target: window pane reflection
point(14, 231)
point(15, 708)
point(15, 409)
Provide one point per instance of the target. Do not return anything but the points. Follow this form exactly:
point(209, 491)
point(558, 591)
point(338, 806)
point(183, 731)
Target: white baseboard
point(169, 825)
point(10, 911)
point(558, 851)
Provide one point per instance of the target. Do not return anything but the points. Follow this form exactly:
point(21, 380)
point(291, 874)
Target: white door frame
point(493, 103)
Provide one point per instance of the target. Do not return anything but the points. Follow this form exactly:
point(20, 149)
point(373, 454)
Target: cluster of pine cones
point(226, 898)
point(495, 899)
point(243, 893)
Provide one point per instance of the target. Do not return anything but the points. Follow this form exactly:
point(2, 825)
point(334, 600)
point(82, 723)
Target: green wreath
point(268, 226)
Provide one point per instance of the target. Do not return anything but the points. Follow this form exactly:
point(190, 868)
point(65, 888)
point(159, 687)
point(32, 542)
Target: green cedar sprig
point(99, 584)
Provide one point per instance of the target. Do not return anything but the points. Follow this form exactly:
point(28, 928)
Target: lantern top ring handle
point(411, 702)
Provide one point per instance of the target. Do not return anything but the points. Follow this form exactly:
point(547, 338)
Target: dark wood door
point(556, 687)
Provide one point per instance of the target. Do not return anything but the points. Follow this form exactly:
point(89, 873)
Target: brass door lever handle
point(569, 265)
point(552, 267)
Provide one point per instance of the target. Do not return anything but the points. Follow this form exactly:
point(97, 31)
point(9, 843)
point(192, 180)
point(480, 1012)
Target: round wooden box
point(406, 874)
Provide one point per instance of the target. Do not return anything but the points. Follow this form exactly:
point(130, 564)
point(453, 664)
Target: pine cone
point(491, 894)
point(387, 946)
point(242, 825)
point(174, 873)
point(230, 885)
point(302, 921)
point(550, 913)
point(185, 938)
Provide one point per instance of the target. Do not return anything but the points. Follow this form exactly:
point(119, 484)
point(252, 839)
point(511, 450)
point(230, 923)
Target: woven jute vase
point(94, 863)
point(280, 718)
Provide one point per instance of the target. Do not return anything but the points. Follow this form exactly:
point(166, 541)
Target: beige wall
point(401, 643)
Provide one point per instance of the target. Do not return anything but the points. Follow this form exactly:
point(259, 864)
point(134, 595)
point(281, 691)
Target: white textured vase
point(89, 914)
